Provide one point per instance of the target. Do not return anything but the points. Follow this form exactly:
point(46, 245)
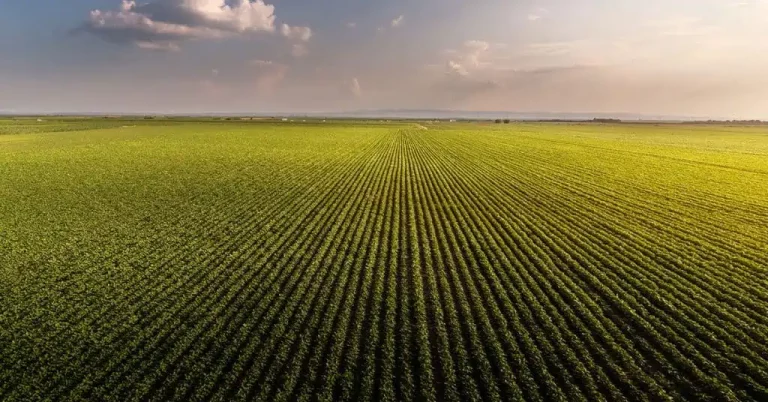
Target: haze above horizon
point(673, 58)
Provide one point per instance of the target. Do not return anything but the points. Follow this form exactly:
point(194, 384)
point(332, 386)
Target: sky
point(699, 58)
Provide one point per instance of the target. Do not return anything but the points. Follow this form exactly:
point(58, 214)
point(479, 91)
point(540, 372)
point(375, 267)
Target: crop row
point(402, 264)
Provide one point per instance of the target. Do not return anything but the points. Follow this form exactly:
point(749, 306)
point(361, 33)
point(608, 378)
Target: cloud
point(456, 68)
point(261, 63)
point(473, 51)
point(164, 24)
point(300, 34)
point(467, 57)
point(166, 46)
point(297, 33)
point(397, 21)
point(354, 87)
point(126, 26)
point(552, 48)
point(537, 14)
point(466, 74)
point(351, 24)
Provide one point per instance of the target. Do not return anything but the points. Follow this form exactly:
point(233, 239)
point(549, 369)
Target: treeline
point(740, 122)
point(595, 120)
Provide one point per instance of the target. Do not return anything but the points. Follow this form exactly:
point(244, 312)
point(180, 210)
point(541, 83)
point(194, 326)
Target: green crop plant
point(206, 259)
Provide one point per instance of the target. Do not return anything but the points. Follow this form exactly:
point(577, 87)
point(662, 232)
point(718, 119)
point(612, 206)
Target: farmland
point(230, 260)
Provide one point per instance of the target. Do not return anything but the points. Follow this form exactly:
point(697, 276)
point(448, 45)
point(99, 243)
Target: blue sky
point(672, 57)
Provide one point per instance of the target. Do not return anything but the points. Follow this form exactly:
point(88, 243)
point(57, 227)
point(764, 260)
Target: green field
point(229, 260)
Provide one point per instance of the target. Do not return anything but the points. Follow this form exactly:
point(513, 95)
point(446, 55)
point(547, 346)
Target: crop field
point(283, 261)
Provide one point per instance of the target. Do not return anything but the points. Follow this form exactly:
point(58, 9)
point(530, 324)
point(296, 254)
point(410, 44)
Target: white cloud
point(129, 26)
point(165, 46)
point(297, 33)
point(354, 88)
point(163, 24)
point(398, 21)
point(456, 68)
point(127, 5)
point(351, 24)
point(215, 72)
point(473, 50)
point(261, 63)
point(468, 57)
point(551, 48)
point(537, 14)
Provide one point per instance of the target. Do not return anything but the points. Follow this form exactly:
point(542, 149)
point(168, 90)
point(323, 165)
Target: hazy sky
point(672, 57)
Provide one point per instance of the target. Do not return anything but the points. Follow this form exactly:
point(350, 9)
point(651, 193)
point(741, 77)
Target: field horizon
point(212, 259)
point(404, 114)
